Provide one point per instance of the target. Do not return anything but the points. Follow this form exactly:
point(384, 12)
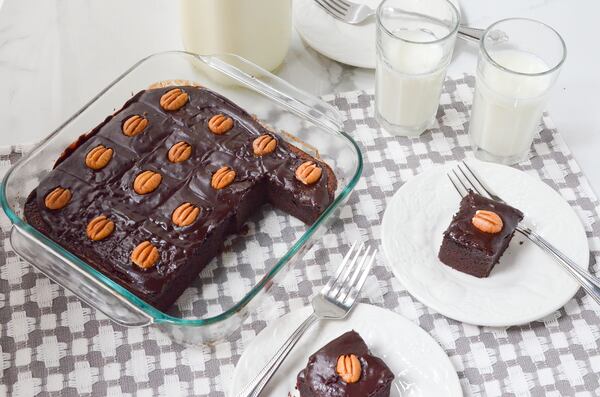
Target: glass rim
point(489, 58)
point(452, 32)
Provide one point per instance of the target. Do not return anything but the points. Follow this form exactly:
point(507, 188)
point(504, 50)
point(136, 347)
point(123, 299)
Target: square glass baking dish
point(237, 281)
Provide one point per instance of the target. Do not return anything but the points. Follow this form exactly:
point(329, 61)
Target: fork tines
point(350, 275)
point(337, 7)
point(465, 179)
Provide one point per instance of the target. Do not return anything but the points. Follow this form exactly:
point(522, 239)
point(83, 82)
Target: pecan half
point(173, 99)
point(134, 125)
point(220, 124)
point(146, 182)
point(308, 173)
point(348, 368)
point(180, 152)
point(98, 157)
point(57, 198)
point(145, 255)
point(264, 144)
point(185, 214)
point(100, 228)
point(222, 178)
point(487, 221)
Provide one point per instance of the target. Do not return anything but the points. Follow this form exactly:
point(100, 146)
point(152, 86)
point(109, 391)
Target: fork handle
point(258, 383)
point(588, 281)
point(469, 33)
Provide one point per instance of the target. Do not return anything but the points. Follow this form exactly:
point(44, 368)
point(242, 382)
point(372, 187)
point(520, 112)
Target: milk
point(258, 30)
point(409, 81)
point(507, 107)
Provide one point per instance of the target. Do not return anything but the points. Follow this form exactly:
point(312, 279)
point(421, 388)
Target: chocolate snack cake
point(478, 235)
point(345, 368)
point(149, 195)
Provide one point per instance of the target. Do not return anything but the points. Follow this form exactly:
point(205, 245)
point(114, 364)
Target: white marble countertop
point(56, 55)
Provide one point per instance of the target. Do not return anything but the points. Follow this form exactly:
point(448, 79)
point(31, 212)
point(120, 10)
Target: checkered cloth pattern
point(53, 344)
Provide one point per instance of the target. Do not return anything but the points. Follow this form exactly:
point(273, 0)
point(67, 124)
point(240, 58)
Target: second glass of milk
point(519, 61)
point(415, 40)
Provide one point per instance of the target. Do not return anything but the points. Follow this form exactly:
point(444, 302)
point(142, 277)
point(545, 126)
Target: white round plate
point(420, 365)
point(349, 44)
point(524, 286)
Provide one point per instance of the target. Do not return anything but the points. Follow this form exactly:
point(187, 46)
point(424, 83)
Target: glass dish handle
point(263, 81)
point(75, 279)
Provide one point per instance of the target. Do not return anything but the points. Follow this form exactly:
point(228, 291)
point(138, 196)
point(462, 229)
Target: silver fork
point(334, 302)
point(354, 13)
point(469, 180)
point(346, 11)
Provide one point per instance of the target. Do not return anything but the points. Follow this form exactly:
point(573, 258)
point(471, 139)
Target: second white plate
point(525, 286)
point(420, 365)
point(349, 44)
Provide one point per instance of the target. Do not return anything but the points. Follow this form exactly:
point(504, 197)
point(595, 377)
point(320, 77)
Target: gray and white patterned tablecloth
point(53, 344)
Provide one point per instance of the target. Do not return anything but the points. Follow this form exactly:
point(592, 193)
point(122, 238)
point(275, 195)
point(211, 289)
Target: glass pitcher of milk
point(258, 30)
point(515, 73)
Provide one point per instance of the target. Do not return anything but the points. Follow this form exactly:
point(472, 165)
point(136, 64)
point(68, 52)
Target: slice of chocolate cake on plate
point(345, 368)
point(478, 235)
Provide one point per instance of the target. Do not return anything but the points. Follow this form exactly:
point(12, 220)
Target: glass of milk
point(415, 40)
point(258, 30)
point(519, 61)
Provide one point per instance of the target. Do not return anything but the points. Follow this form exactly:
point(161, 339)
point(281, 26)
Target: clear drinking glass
point(519, 61)
point(415, 40)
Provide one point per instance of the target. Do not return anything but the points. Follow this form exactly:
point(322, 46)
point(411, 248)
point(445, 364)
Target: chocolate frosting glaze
point(462, 230)
point(320, 379)
point(183, 251)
